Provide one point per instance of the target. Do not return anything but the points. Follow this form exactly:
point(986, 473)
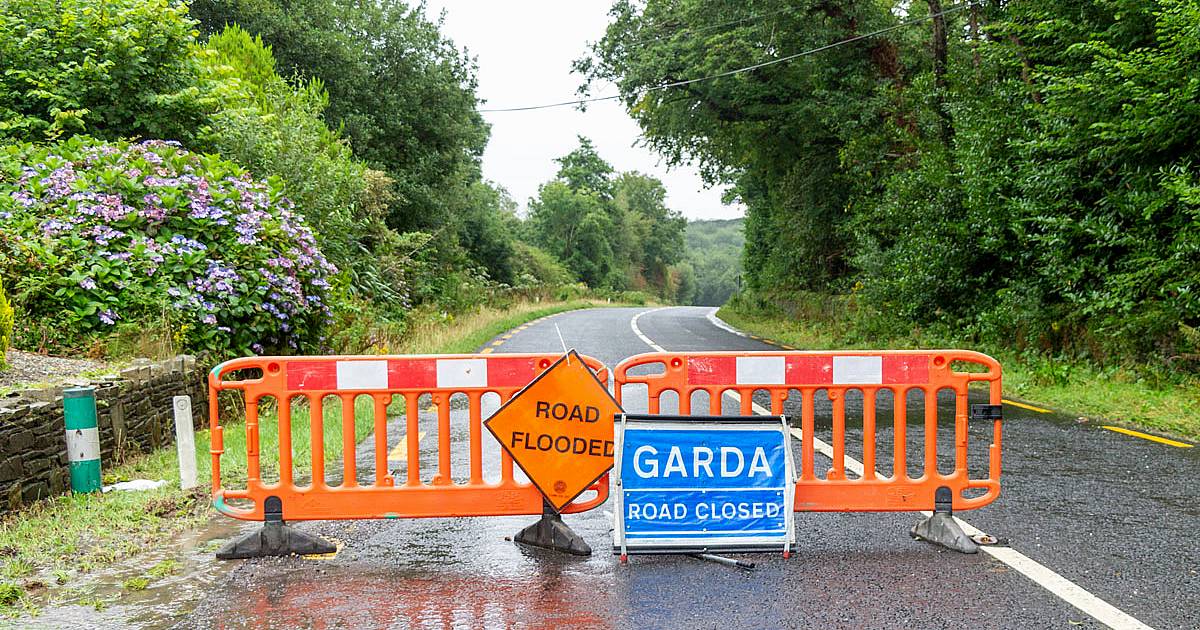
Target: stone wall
point(135, 416)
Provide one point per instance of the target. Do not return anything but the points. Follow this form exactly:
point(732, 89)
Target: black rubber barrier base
point(274, 539)
point(550, 532)
point(941, 528)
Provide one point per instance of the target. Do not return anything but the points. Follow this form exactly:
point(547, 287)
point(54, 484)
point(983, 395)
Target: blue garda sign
point(703, 483)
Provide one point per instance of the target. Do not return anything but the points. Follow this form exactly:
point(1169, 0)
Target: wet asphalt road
point(1114, 514)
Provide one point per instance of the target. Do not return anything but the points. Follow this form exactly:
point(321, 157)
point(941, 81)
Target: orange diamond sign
point(559, 429)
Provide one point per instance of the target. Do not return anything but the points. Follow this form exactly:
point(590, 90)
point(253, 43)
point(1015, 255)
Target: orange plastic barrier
point(380, 377)
point(837, 373)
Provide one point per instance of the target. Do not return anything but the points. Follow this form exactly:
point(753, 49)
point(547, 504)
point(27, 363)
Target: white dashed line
point(1042, 575)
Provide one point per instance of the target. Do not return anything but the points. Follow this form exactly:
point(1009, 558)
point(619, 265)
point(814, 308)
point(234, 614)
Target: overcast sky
point(524, 50)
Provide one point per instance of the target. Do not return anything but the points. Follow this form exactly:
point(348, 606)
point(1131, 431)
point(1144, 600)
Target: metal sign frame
point(623, 546)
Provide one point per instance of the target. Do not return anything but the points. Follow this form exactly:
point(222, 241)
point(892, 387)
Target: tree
point(1022, 172)
point(574, 227)
point(655, 232)
point(584, 170)
point(611, 231)
point(400, 91)
point(108, 68)
point(485, 234)
point(778, 135)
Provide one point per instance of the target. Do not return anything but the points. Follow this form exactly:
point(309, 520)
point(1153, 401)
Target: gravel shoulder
point(28, 369)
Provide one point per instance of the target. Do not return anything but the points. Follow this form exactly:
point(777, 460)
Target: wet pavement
point(1112, 513)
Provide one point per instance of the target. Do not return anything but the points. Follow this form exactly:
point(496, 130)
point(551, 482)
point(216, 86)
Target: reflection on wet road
point(1110, 513)
point(849, 569)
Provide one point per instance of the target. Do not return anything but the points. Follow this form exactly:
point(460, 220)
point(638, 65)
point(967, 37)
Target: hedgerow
point(105, 235)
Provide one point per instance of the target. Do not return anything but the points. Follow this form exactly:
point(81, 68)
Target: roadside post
point(185, 441)
point(559, 430)
point(701, 484)
point(83, 438)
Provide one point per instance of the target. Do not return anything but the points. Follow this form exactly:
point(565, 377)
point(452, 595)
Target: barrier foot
point(550, 532)
point(274, 539)
point(942, 529)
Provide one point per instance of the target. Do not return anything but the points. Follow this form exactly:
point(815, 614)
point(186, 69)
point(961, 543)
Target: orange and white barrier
point(784, 375)
point(385, 379)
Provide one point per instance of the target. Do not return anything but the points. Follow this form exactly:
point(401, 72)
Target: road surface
point(1092, 518)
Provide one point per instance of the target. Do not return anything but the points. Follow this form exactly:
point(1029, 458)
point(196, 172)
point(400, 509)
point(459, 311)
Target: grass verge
point(58, 537)
point(1117, 395)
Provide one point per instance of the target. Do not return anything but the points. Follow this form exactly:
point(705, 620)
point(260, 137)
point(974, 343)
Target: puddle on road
point(99, 599)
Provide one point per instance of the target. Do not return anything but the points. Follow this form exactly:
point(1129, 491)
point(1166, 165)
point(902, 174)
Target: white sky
point(524, 51)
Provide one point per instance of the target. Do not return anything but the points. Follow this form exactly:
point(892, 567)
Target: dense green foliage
point(611, 231)
point(714, 253)
point(275, 128)
point(110, 68)
point(398, 89)
point(1013, 171)
point(403, 97)
point(362, 115)
point(6, 324)
point(102, 235)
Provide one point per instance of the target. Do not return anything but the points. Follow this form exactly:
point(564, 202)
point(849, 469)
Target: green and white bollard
point(83, 438)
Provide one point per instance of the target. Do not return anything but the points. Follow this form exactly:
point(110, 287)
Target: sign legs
point(550, 532)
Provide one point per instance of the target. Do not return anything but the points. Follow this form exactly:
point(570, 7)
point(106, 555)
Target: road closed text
point(702, 511)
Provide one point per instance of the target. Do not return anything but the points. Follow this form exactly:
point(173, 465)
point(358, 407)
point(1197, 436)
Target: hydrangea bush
point(108, 235)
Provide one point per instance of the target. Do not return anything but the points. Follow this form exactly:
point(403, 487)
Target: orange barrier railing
point(741, 374)
point(405, 379)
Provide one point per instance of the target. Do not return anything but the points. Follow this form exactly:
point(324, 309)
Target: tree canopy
point(399, 90)
point(1011, 170)
point(612, 230)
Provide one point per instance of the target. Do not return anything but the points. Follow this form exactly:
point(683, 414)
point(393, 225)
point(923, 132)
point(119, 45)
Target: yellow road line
point(508, 336)
point(486, 350)
point(497, 342)
point(1147, 436)
point(1024, 406)
point(400, 451)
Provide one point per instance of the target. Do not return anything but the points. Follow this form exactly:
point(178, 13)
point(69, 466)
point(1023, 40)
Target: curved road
point(1112, 516)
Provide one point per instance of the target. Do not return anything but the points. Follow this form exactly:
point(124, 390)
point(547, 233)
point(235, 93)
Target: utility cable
point(771, 62)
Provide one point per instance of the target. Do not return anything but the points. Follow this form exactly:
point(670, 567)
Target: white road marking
point(638, 331)
point(716, 321)
point(1042, 575)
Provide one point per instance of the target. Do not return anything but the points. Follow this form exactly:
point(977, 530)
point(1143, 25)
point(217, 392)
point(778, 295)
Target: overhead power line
point(770, 62)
